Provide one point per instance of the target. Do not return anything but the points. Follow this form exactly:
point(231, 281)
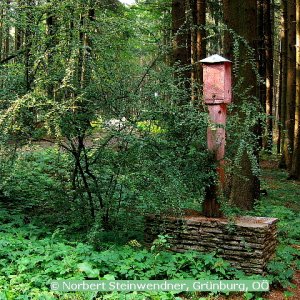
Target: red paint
point(216, 130)
point(216, 94)
point(217, 83)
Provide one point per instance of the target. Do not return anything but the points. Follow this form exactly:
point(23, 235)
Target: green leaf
point(108, 277)
point(88, 270)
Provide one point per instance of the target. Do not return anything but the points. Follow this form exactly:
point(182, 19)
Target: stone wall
point(248, 243)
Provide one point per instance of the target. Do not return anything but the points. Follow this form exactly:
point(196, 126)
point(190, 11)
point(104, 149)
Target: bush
point(31, 257)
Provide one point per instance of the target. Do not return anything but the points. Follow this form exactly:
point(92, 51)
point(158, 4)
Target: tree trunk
point(268, 43)
point(7, 31)
point(261, 52)
point(81, 50)
point(279, 101)
point(238, 16)
point(85, 50)
point(265, 52)
point(276, 74)
point(198, 44)
point(283, 79)
point(291, 85)
point(86, 70)
point(83, 78)
point(28, 44)
point(181, 40)
point(51, 42)
point(18, 39)
point(1, 33)
point(295, 169)
point(18, 33)
point(261, 59)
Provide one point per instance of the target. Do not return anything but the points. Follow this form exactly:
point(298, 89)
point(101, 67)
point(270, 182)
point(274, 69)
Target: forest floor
point(31, 237)
point(275, 293)
point(282, 193)
point(292, 201)
point(280, 294)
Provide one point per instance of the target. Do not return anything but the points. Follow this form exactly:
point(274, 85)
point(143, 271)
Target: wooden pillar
point(216, 94)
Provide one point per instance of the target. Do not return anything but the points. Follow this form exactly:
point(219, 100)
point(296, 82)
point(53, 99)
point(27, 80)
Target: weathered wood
point(217, 94)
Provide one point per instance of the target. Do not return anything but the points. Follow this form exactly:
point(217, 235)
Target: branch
point(53, 142)
point(8, 58)
point(146, 73)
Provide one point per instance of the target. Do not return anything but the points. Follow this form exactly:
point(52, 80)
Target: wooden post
point(216, 94)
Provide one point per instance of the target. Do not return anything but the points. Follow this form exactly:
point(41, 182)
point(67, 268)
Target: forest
point(103, 127)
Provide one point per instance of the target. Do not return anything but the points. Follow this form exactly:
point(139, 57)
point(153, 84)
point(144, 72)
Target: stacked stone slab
point(247, 243)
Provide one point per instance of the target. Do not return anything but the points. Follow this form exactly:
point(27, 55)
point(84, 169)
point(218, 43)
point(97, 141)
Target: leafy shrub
point(34, 177)
point(31, 257)
point(281, 267)
point(38, 181)
point(117, 179)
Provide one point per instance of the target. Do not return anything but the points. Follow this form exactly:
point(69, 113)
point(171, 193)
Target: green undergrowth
point(30, 257)
point(282, 201)
point(32, 254)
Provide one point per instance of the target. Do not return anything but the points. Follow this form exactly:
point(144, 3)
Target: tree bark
point(51, 43)
point(83, 78)
point(288, 143)
point(268, 43)
point(18, 39)
point(7, 31)
point(198, 44)
point(28, 44)
point(261, 59)
point(181, 40)
point(86, 70)
point(238, 16)
point(18, 33)
point(261, 52)
point(279, 101)
point(295, 169)
point(1, 32)
point(283, 80)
